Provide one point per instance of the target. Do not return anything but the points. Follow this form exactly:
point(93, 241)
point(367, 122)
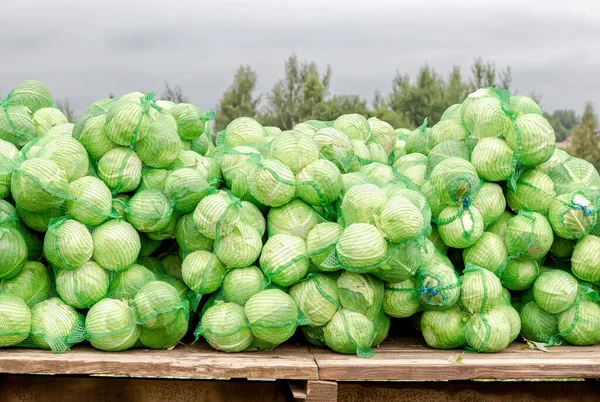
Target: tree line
point(303, 93)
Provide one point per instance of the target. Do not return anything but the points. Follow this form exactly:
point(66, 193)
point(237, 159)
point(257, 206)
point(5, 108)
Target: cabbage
point(295, 218)
point(361, 293)
point(38, 221)
point(190, 121)
point(400, 220)
point(239, 248)
point(272, 315)
point(39, 185)
point(129, 121)
point(272, 131)
point(524, 105)
point(414, 167)
point(126, 284)
point(149, 245)
point(217, 214)
point(317, 297)
point(379, 174)
point(168, 232)
point(116, 245)
point(490, 119)
point(382, 133)
point(535, 138)
point(480, 290)
point(460, 228)
point(580, 325)
point(400, 298)
point(314, 335)
point(571, 215)
point(32, 284)
point(381, 326)
point(111, 325)
point(236, 166)
point(83, 287)
point(439, 286)
point(528, 236)
point(121, 170)
point(153, 265)
point(446, 130)
point(555, 291)
point(362, 203)
point(90, 131)
point(89, 201)
point(319, 183)
point(444, 329)
point(46, 118)
point(402, 261)
point(68, 154)
point(376, 153)
point(16, 320)
point(488, 332)
point(168, 336)
point(157, 304)
point(336, 146)
point(243, 131)
point(488, 252)
point(574, 174)
point(189, 237)
point(242, 283)
point(13, 250)
point(536, 324)
point(436, 206)
point(454, 180)
point(60, 130)
point(226, 328)
point(16, 125)
point(361, 247)
point(294, 149)
point(349, 332)
point(321, 241)
point(32, 94)
point(492, 159)
point(562, 248)
point(519, 274)
point(68, 244)
point(208, 167)
point(534, 192)
point(499, 227)
point(586, 259)
point(186, 187)
point(8, 152)
point(202, 272)
point(468, 110)
point(149, 210)
point(272, 183)
point(354, 125)
point(284, 259)
point(55, 325)
point(444, 150)
point(490, 202)
point(250, 215)
point(160, 147)
point(363, 155)
point(172, 263)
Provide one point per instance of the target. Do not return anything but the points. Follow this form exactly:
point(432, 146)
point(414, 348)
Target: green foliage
point(339, 104)
point(563, 121)
point(174, 94)
point(238, 100)
point(294, 97)
point(585, 142)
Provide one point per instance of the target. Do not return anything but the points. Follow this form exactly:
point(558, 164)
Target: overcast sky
point(85, 50)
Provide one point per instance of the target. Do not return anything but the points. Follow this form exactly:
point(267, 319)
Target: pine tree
point(585, 142)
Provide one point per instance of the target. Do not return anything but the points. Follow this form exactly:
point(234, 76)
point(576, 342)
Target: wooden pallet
point(310, 374)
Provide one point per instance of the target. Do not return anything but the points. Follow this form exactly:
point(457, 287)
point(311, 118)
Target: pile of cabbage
point(90, 217)
point(518, 219)
point(133, 227)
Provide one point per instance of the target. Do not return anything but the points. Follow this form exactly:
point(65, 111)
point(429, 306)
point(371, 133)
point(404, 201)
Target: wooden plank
point(196, 361)
point(412, 360)
point(21, 388)
point(587, 391)
point(321, 391)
